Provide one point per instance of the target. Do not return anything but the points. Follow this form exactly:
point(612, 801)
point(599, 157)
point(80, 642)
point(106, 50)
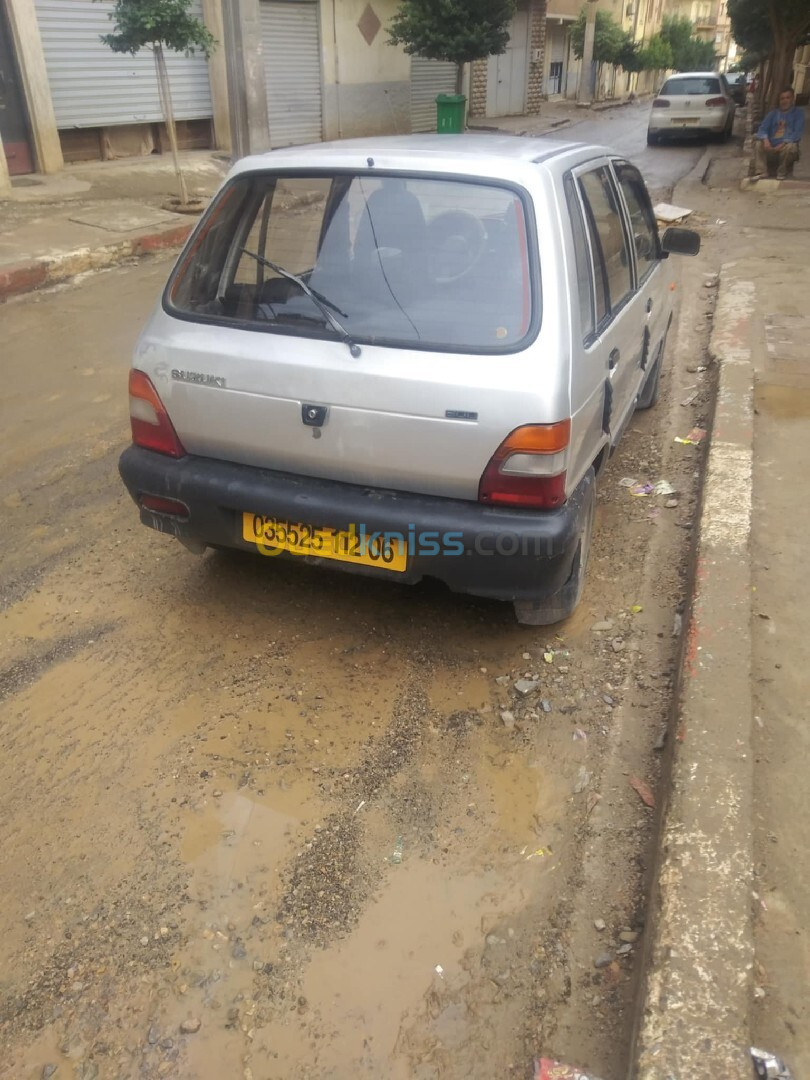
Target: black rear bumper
point(500, 553)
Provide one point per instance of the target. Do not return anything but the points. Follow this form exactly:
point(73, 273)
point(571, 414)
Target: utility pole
point(584, 87)
point(247, 99)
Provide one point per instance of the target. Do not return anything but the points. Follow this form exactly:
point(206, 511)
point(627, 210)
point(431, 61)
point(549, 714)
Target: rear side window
point(605, 220)
point(642, 218)
point(692, 85)
point(400, 260)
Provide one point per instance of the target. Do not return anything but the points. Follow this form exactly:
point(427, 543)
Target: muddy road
point(265, 821)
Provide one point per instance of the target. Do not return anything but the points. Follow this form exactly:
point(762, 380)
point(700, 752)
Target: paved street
point(267, 821)
point(625, 129)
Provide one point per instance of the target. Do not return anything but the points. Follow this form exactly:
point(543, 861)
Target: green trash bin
point(450, 109)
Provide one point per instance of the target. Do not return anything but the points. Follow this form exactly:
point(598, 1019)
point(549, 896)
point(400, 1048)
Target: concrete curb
point(18, 278)
point(694, 1020)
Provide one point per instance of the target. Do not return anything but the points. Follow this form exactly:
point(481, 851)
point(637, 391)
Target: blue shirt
point(779, 127)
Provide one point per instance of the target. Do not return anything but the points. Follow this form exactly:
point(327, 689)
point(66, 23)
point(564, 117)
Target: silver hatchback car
point(405, 357)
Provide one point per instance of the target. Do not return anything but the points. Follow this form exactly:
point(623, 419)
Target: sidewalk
point(93, 215)
point(730, 959)
point(556, 114)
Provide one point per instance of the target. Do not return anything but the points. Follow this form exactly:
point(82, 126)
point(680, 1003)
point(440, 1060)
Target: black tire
point(563, 603)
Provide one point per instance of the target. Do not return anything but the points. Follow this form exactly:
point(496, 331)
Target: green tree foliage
point(146, 23)
point(608, 42)
point(656, 55)
point(155, 24)
point(770, 31)
point(689, 53)
point(457, 31)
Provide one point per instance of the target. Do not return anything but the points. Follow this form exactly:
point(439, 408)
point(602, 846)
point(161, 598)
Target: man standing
point(777, 141)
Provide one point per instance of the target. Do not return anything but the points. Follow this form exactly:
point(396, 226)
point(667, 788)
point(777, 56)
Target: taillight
point(715, 103)
point(528, 468)
point(151, 426)
point(660, 103)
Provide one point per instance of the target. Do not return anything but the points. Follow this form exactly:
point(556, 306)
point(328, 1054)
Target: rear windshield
point(396, 259)
point(694, 84)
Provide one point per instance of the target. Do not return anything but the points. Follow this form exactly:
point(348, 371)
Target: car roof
point(481, 154)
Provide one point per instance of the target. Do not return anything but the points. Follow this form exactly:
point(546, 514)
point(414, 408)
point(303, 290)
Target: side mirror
point(680, 242)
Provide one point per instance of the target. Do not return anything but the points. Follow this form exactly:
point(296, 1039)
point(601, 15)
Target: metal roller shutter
point(91, 86)
point(428, 79)
point(292, 67)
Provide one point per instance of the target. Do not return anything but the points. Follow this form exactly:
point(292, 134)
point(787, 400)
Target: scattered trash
point(643, 791)
point(769, 1066)
point(526, 686)
point(360, 806)
point(579, 734)
point(663, 487)
point(669, 214)
point(396, 857)
point(606, 624)
point(508, 719)
point(642, 490)
point(677, 625)
point(582, 781)
point(719, 221)
point(548, 1069)
point(548, 657)
point(439, 971)
point(628, 481)
point(539, 854)
point(694, 438)
point(636, 609)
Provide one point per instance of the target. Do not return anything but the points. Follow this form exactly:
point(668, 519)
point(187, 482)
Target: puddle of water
point(465, 691)
point(359, 992)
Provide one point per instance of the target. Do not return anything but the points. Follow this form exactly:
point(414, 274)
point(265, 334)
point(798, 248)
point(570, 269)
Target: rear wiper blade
point(320, 301)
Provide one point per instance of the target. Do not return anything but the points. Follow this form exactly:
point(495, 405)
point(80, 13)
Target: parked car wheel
point(653, 139)
point(564, 602)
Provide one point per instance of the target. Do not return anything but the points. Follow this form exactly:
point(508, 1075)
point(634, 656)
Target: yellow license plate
point(272, 536)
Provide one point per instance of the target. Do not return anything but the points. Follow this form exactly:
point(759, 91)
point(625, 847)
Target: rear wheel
point(564, 601)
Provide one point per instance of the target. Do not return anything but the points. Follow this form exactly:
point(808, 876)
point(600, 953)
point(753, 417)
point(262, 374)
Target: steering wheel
point(457, 242)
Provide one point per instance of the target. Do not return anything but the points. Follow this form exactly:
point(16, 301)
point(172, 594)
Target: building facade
point(300, 70)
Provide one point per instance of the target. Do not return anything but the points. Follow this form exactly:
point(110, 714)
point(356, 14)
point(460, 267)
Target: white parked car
point(406, 357)
point(692, 103)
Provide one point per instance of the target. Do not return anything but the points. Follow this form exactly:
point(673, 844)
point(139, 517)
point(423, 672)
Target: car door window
point(642, 219)
point(582, 260)
point(602, 208)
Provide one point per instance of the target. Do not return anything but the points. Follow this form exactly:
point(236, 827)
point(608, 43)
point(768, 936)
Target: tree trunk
point(168, 116)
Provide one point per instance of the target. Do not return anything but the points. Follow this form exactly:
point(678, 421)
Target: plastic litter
point(636, 609)
point(641, 490)
point(643, 791)
point(439, 971)
point(663, 487)
point(539, 854)
point(769, 1066)
point(548, 657)
point(579, 734)
point(628, 481)
point(396, 857)
point(669, 214)
point(694, 438)
point(547, 1069)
